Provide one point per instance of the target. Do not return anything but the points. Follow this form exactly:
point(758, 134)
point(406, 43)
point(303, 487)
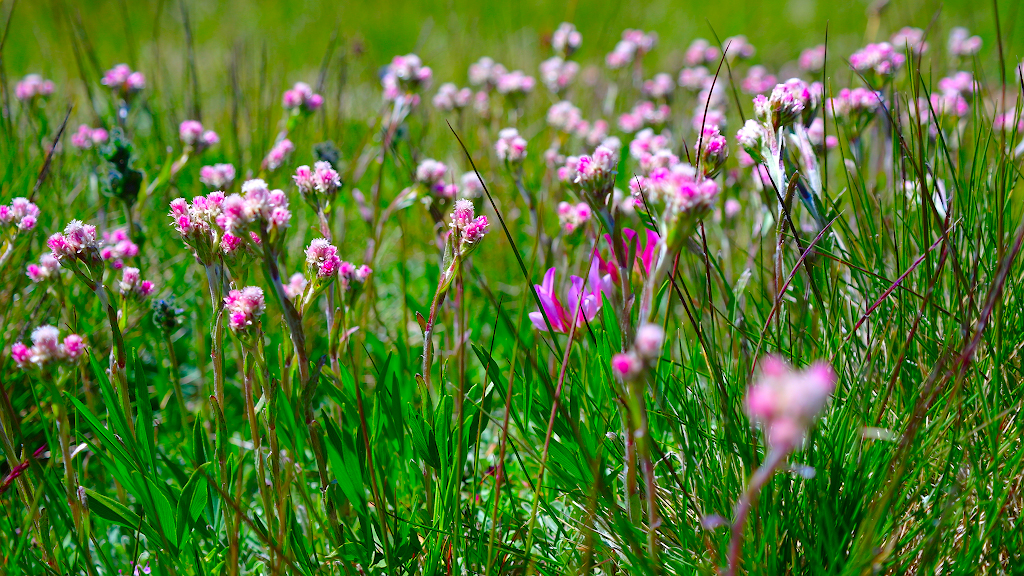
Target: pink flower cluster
point(132, 285)
point(117, 246)
point(758, 80)
point(301, 98)
point(961, 43)
point(701, 52)
point(652, 150)
point(881, 58)
point(660, 87)
point(257, 204)
point(564, 116)
point(850, 104)
point(47, 348)
point(787, 104)
point(557, 73)
point(908, 37)
point(485, 72)
point(695, 78)
point(813, 59)
point(321, 179)
point(712, 148)
point(322, 258)
point(78, 242)
point(32, 87)
point(738, 48)
point(572, 217)
point(468, 228)
point(405, 77)
point(351, 276)
point(677, 188)
point(244, 307)
point(296, 286)
point(21, 213)
point(87, 137)
point(566, 39)
point(581, 305)
point(961, 83)
point(785, 402)
point(430, 173)
point(217, 176)
point(591, 172)
point(123, 80)
point(278, 154)
point(46, 269)
point(646, 349)
point(592, 134)
point(193, 136)
point(644, 113)
point(633, 46)
point(449, 97)
point(515, 84)
point(510, 147)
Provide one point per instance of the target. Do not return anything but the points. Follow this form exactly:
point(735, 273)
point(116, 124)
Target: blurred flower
point(123, 81)
point(87, 137)
point(194, 137)
point(449, 97)
point(217, 176)
point(813, 59)
point(510, 147)
point(785, 402)
point(277, 155)
point(961, 43)
point(21, 214)
point(701, 52)
point(405, 77)
point(47, 348)
point(557, 73)
point(912, 38)
point(758, 80)
point(572, 217)
point(301, 98)
point(881, 58)
point(244, 307)
point(566, 39)
point(32, 88)
point(660, 87)
point(45, 270)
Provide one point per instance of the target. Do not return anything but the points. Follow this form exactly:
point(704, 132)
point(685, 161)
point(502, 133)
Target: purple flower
point(582, 299)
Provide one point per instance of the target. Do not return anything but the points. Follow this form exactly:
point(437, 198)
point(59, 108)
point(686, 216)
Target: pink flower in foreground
point(785, 402)
point(244, 307)
point(322, 258)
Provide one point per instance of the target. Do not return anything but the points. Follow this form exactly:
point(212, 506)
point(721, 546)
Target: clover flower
point(565, 40)
point(405, 77)
point(660, 87)
point(557, 73)
point(278, 154)
point(21, 214)
point(32, 88)
point(87, 137)
point(449, 97)
point(45, 270)
point(961, 43)
point(47, 349)
point(785, 402)
point(244, 307)
point(572, 217)
point(757, 80)
point(701, 52)
point(582, 300)
point(881, 59)
point(813, 59)
point(123, 81)
point(301, 98)
point(194, 137)
point(217, 176)
point(510, 147)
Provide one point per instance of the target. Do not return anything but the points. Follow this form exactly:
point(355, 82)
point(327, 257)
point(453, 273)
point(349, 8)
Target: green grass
point(917, 461)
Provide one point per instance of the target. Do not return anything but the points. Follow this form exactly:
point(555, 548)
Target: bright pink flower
point(583, 300)
point(626, 366)
point(244, 307)
point(322, 257)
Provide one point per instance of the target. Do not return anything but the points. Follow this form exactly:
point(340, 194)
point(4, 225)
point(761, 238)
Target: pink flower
point(626, 366)
point(33, 87)
point(564, 116)
point(190, 131)
point(785, 402)
point(961, 43)
point(277, 155)
point(244, 307)
point(701, 52)
point(301, 98)
point(515, 83)
point(21, 213)
point(910, 37)
point(296, 286)
point(649, 340)
point(573, 216)
point(46, 269)
point(217, 176)
point(122, 80)
point(557, 73)
point(813, 59)
point(47, 348)
point(510, 147)
point(642, 258)
point(405, 77)
point(881, 58)
point(660, 87)
point(322, 258)
point(566, 39)
point(583, 300)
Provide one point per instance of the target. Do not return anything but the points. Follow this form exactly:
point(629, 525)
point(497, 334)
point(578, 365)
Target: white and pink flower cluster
point(244, 307)
point(47, 348)
point(33, 87)
point(405, 77)
point(194, 136)
point(557, 73)
point(450, 97)
point(881, 58)
point(217, 176)
point(645, 352)
point(677, 189)
point(87, 137)
point(572, 217)
point(78, 242)
point(45, 270)
point(785, 402)
point(301, 98)
point(644, 113)
point(21, 214)
point(322, 178)
point(632, 47)
point(788, 103)
point(515, 84)
point(117, 245)
point(908, 37)
point(566, 39)
point(132, 285)
point(122, 80)
point(594, 172)
point(257, 204)
point(961, 43)
point(510, 147)
point(430, 173)
point(701, 52)
point(278, 154)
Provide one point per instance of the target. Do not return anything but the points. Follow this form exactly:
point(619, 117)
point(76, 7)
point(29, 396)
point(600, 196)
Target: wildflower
point(572, 217)
point(277, 155)
point(566, 39)
point(633, 46)
point(257, 204)
point(22, 214)
point(596, 173)
point(649, 340)
point(639, 260)
point(515, 84)
point(510, 147)
point(301, 98)
point(77, 243)
point(47, 349)
point(352, 278)
point(449, 97)
point(32, 88)
point(194, 137)
point(787, 104)
point(626, 366)
point(752, 138)
point(296, 286)
point(582, 302)
point(117, 246)
point(813, 59)
point(712, 150)
point(757, 80)
point(217, 176)
point(881, 58)
point(817, 137)
point(592, 134)
point(644, 113)
point(785, 402)
point(694, 79)
point(912, 38)
point(197, 223)
point(322, 258)
point(244, 307)
point(738, 48)
point(557, 73)
point(679, 197)
point(660, 87)
point(471, 185)
point(961, 83)
point(322, 181)
point(404, 77)
point(123, 81)
point(45, 270)
point(701, 52)
point(564, 116)
point(961, 43)
point(467, 229)
point(485, 72)
point(732, 208)
point(87, 137)
point(132, 285)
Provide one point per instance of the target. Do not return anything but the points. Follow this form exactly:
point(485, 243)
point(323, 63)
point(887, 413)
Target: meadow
point(511, 288)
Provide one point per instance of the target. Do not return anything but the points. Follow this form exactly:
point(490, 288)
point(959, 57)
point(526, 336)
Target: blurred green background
point(292, 37)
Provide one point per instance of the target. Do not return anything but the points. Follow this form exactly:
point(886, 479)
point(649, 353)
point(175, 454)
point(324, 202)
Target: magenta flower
point(47, 348)
point(583, 299)
point(21, 214)
point(117, 246)
point(626, 366)
point(572, 216)
point(87, 137)
point(123, 81)
point(244, 307)
point(301, 98)
point(278, 154)
point(405, 77)
point(322, 258)
point(133, 286)
point(46, 269)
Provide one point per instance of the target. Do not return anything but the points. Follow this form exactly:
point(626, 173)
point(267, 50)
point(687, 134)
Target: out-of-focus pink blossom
point(785, 402)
